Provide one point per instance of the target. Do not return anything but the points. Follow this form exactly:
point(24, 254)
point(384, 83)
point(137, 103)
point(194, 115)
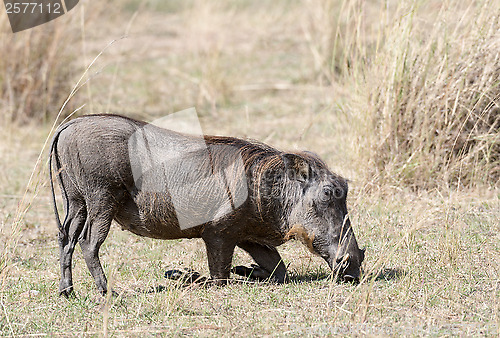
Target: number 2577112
point(33, 7)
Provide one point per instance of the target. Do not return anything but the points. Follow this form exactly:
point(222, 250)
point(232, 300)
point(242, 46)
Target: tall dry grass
point(425, 87)
point(38, 67)
point(429, 113)
point(340, 35)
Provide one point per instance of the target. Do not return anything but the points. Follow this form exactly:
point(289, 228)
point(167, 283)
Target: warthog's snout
point(348, 267)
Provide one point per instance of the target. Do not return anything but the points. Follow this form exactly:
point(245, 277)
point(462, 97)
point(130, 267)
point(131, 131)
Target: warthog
point(230, 192)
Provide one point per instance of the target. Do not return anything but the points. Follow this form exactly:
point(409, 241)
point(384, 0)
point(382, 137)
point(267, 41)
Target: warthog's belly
point(152, 223)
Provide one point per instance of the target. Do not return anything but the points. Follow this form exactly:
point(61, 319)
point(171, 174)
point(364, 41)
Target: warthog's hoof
point(67, 293)
point(254, 273)
point(186, 276)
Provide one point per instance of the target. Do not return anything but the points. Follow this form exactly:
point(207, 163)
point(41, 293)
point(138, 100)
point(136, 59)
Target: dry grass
point(430, 97)
point(36, 68)
point(274, 72)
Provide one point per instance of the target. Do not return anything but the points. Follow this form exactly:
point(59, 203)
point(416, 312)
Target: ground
point(432, 263)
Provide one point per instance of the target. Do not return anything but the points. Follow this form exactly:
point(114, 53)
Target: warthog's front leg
point(270, 264)
point(220, 255)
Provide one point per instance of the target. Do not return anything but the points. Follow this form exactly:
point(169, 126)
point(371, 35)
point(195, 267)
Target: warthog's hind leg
point(68, 237)
point(95, 232)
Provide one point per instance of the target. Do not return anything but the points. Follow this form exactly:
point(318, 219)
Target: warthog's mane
point(258, 159)
point(261, 160)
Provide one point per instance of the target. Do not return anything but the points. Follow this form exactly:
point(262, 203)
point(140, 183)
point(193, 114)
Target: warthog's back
point(94, 151)
point(165, 184)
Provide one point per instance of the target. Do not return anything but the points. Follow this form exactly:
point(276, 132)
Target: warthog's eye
point(327, 194)
point(332, 192)
point(338, 192)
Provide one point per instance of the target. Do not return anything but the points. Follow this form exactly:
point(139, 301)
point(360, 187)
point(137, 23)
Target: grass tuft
point(36, 70)
point(429, 113)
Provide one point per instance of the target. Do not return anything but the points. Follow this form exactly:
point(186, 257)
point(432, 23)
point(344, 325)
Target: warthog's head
point(317, 213)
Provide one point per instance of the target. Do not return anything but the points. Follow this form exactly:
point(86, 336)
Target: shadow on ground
point(388, 274)
point(194, 279)
point(309, 277)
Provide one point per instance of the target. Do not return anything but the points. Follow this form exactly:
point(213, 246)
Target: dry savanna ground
point(377, 89)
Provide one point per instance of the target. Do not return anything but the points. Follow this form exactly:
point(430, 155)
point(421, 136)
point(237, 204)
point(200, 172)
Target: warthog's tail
point(57, 168)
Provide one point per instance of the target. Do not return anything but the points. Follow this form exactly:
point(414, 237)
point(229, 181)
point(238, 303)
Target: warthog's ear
point(296, 167)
